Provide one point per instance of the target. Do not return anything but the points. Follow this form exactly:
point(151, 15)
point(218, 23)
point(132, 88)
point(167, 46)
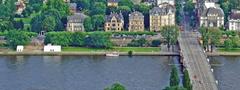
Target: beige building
point(212, 15)
point(136, 22)
point(112, 3)
point(75, 23)
point(114, 22)
point(234, 21)
point(162, 16)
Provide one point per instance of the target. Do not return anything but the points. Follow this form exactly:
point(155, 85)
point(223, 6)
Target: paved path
point(196, 62)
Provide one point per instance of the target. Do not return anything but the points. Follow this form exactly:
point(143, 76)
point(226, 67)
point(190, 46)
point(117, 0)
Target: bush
point(156, 43)
point(138, 43)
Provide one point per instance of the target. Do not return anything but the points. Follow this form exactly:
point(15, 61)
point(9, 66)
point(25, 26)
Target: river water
point(84, 72)
point(227, 72)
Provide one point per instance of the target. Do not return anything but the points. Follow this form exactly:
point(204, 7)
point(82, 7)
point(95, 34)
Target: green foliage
point(170, 34)
point(98, 8)
point(138, 43)
point(174, 78)
point(228, 44)
point(130, 53)
point(48, 24)
point(88, 24)
point(78, 39)
point(186, 80)
point(18, 24)
point(175, 88)
point(5, 25)
point(156, 43)
point(15, 38)
point(210, 36)
point(98, 40)
point(84, 4)
point(134, 33)
point(116, 86)
point(128, 3)
point(7, 9)
point(59, 5)
point(98, 21)
point(59, 38)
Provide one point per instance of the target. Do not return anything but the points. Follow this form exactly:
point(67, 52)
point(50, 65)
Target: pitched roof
point(113, 1)
point(136, 14)
point(163, 10)
point(235, 15)
point(212, 10)
point(76, 18)
point(119, 17)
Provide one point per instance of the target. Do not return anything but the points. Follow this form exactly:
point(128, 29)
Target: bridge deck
point(196, 62)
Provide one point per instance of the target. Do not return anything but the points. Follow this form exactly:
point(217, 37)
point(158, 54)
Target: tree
point(15, 38)
point(84, 4)
point(175, 88)
point(125, 11)
point(98, 40)
point(228, 44)
point(214, 37)
point(138, 43)
point(48, 24)
point(78, 39)
point(170, 34)
point(18, 24)
point(128, 3)
point(98, 8)
point(97, 21)
point(59, 5)
point(186, 80)
point(205, 37)
point(7, 9)
point(116, 86)
point(59, 38)
point(174, 79)
point(88, 24)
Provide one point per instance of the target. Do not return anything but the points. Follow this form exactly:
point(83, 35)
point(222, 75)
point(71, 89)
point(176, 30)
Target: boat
point(113, 54)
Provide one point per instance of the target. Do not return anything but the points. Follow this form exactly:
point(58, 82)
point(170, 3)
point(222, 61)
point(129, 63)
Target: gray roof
point(234, 16)
point(73, 5)
point(119, 17)
point(76, 18)
point(213, 10)
point(163, 10)
point(136, 15)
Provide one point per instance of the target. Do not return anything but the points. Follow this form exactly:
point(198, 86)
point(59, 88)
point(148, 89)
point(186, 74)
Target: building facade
point(114, 22)
point(162, 16)
point(112, 3)
point(75, 22)
point(212, 16)
point(234, 21)
point(136, 22)
point(159, 2)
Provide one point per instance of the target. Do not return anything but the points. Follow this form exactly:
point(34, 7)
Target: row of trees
point(93, 39)
point(170, 34)
point(189, 8)
point(174, 81)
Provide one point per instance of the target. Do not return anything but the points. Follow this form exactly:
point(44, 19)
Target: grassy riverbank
point(230, 50)
point(119, 49)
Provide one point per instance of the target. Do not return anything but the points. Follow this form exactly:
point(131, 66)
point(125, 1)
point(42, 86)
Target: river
point(226, 71)
point(84, 72)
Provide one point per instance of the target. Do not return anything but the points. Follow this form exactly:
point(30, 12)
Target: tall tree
point(59, 5)
point(88, 24)
point(186, 80)
point(116, 86)
point(170, 34)
point(97, 21)
point(98, 8)
point(48, 24)
point(128, 3)
point(174, 78)
point(98, 40)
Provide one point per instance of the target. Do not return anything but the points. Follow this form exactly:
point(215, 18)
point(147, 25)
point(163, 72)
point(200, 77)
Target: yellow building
point(136, 22)
point(112, 3)
point(114, 22)
point(162, 16)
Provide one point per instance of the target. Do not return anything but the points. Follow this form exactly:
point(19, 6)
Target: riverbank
point(86, 53)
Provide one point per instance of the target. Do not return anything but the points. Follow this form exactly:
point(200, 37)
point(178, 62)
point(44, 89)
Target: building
point(162, 16)
point(212, 16)
point(52, 48)
point(73, 7)
point(112, 3)
point(150, 2)
point(20, 6)
point(75, 22)
point(159, 2)
point(136, 22)
point(234, 20)
point(114, 22)
point(19, 48)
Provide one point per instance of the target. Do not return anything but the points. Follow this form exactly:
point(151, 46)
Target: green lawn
point(231, 50)
point(120, 49)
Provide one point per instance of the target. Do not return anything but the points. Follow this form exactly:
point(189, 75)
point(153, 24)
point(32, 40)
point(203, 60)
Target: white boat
point(113, 54)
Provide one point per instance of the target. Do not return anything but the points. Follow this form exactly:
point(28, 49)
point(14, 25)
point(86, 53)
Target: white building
point(52, 48)
point(234, 21)
point(159, 2)
point(20, 48)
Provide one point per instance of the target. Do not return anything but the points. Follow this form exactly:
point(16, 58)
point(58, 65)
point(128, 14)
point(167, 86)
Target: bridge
point(195, 61)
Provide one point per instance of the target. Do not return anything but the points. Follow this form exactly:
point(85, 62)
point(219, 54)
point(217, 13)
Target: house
point(75, 22)
point(52, 48)
point(20, 48)
point(150, 2)
point(20, 6)
point(136, 22)
point(234, 20)
point(159, 2)
point(112, 3)
point(162, 16)
point(114, 22)
point(212, 15)
point(73, 7)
